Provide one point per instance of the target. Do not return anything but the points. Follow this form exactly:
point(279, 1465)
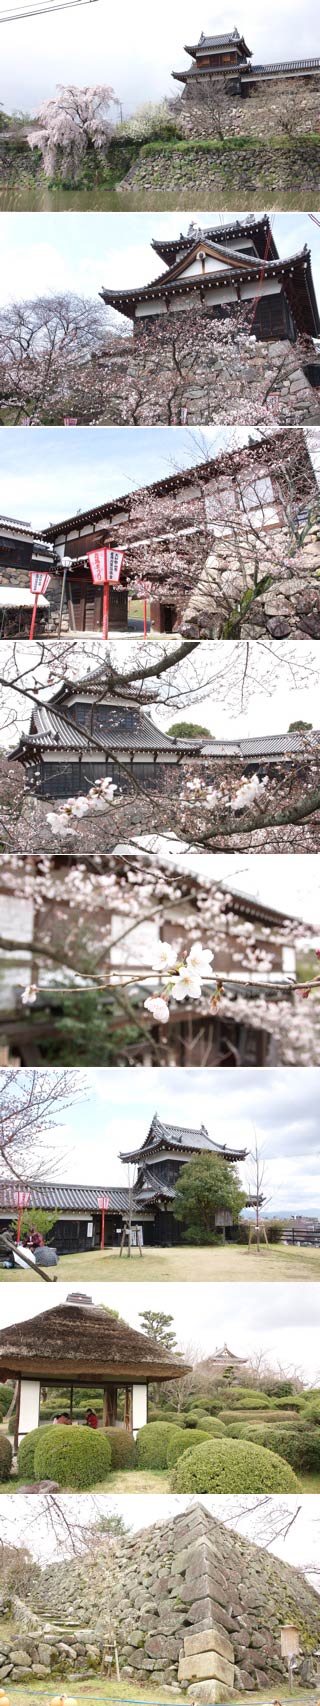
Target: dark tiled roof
point(202, 471)
point(51, 731)
point(180, 1138)
point(249, 227)
point(263, 746)
point(75, 1197)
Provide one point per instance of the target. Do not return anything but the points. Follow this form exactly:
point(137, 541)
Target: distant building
point(166, 1149)
point(169, 530)
point(227, 265)
point(227, 58)
point(20, 552)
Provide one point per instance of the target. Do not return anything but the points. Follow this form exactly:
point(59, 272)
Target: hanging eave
point(295, 276)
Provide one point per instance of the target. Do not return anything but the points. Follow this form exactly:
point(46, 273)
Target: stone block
point(208, 1641)
point(22, 1658)
point(203, 1666)
point(208, 1693)
point(40, 1670)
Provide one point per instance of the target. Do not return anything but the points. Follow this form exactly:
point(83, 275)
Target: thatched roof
point(79, 1340)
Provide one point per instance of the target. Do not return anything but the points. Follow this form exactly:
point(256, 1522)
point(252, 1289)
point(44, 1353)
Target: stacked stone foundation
point(209, 106)
point(164, 1595)
point(177, 369)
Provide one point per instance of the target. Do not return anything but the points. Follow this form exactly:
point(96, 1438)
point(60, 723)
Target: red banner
point(98, 566)
point(38, 582)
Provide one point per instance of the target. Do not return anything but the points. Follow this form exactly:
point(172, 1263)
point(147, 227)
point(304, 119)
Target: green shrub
point(152, 1445)
point(246, 1398)
point(312, 1410)
point(231, 1466)
point(6, 1394)
point(299, 1447)
point(179, 1443)
point(26, 1453)
point(211, 1424)
point(292, 1401)
point(75, 1457)
point(122, 1447)
point(254, 1417)
point(5, 1457)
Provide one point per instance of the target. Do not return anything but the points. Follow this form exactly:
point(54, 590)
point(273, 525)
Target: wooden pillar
point(128, 1409)
point(109, 1406)
point(16, 1421)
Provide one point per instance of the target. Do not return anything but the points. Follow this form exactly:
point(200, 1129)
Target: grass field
point(95, 1693)
point(138, 1481)
point(226, 1262)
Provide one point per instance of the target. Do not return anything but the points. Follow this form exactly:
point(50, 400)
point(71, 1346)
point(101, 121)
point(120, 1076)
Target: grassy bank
point(232, 1262)
point(100, 1689)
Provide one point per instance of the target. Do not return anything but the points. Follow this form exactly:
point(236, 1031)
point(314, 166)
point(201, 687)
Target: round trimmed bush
point(152, 1445)
point(5, 1457)
point(247, 1398)
point(180, 1442)
point(26, 1452)
point(231, 1466)
point(6, 1394)
point(211, 1425)
point(73, 1456)
point(122, 1447)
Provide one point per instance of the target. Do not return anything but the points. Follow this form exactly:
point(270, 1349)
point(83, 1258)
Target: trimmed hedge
point(179, 1443)
point(299, 1448)
point(6, 1393)
point(211, 1424)
point(26, 1452)
point(122, 1446)
point(232, 1466)
point(247, 1398)
point(75, 1457)
point(252, 1418)
point(5, 1457)
point(152, 1444)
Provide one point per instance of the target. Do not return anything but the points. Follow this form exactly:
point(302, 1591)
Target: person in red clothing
point(91, 1420)
point(35, 1239)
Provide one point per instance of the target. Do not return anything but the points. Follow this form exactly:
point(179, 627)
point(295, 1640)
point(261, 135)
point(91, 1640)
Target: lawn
point(93, 1693)
point(225, 1262)
point(125, 1481)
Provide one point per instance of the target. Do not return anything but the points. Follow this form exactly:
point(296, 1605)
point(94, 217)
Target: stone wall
point(157, 1588)
point(208, 177)
point(187, 361)
point(207, 107)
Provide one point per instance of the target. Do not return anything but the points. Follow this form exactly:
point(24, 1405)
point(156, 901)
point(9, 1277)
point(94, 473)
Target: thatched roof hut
point(79, 1343)
point(79, 1340)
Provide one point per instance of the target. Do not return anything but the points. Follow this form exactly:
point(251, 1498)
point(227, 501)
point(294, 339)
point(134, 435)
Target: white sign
point(38, 581)
point(114, 566)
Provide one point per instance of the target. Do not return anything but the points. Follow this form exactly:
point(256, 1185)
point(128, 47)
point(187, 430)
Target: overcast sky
point(281, 685)
point(136, 51)
point(48, 1539)
point(280, 1105)
point(280, 1321)
point(82, 254)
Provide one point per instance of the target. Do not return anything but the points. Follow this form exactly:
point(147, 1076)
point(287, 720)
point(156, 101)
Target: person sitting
point(35, 1239)
point(64, 1418)
point(91, 1419)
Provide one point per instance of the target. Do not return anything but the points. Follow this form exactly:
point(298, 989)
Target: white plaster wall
point(139, 1408)
point(16, 924)
point(29, 1407)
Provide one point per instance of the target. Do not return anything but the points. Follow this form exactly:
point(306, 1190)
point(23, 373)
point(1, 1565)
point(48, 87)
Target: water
point(38, 198)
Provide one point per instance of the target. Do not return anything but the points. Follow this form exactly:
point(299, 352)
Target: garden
point(236, 1440)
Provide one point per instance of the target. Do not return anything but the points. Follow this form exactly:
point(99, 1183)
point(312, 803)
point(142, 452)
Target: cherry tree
point(102, 925)
point(73, 122)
